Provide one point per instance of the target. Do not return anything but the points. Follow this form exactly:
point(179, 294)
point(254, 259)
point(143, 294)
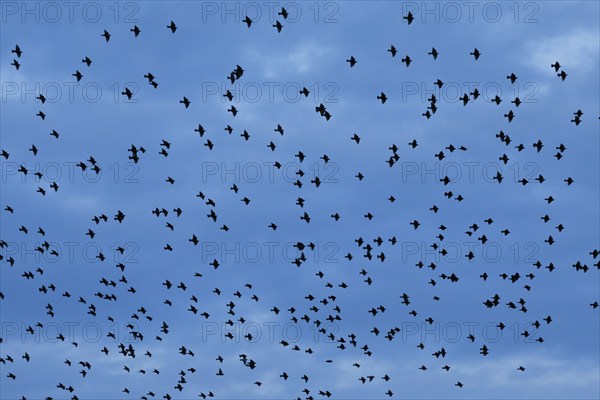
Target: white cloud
point(577, 50)
point(543, 372)
point(303, 59)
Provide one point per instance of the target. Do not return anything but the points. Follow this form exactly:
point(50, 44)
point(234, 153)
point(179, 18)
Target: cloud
point(301, 60)
point(577, 50)
point(544, 374)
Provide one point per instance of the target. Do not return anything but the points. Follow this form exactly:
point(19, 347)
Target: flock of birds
point(318, 311)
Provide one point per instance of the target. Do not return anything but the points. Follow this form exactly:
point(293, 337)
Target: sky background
point(94, 119)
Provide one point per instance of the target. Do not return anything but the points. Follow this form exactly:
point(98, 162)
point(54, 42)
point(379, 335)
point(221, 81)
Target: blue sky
point(94, 119)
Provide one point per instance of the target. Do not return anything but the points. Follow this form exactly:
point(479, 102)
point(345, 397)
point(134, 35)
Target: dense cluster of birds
point(319, 311)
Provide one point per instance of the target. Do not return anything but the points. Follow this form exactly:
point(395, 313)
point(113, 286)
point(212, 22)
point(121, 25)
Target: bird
point(128, 93)
point(17, 51)
point(392, 50)
point(562, 75)
point(304, 91)
point(185, 102)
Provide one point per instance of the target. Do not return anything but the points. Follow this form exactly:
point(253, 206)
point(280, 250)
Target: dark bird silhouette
point(17, 51)
point(392, 50)
point(127, 93)
point(562, 75)
point(185, 102)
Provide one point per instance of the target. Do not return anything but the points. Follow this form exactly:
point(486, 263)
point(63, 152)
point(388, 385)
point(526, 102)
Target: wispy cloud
point(576, 50)
point(303, 59)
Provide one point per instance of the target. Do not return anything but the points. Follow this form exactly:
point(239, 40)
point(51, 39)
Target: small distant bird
point(17, 51)
point(393, 50)
point(304, 91)
point(562, 75)
point(127, 93)
point(136, 31)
